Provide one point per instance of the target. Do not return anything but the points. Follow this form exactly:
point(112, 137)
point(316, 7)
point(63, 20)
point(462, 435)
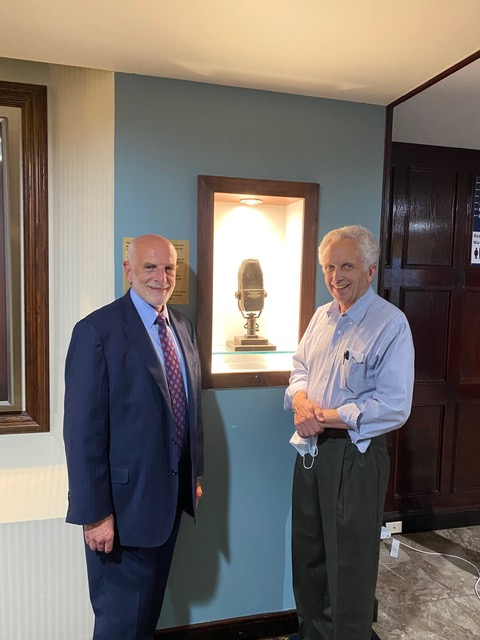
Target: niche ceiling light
point(251, 201)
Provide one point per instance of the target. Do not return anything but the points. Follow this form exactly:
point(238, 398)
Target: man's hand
point(308, 416)
point(100, 535)
point(199, 492)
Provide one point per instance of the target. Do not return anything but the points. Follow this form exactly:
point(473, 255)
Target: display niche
point(256, 264)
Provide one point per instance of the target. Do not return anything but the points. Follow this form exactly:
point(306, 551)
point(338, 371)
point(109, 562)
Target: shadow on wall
point(194, 576)
point(235, 561)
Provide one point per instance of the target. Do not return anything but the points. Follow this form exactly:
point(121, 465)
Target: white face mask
point(304, 446)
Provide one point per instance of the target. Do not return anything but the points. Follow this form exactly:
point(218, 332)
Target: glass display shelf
point(224, 361)
point(257, 352)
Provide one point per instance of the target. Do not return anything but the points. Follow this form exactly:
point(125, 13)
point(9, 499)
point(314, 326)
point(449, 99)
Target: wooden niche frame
point(208, 186)
point(32, 100)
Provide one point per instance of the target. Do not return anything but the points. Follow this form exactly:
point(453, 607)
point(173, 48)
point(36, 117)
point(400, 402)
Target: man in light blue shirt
point(352, 382)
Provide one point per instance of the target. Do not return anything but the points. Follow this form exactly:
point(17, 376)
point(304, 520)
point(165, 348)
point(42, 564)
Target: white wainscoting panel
point(43, 589)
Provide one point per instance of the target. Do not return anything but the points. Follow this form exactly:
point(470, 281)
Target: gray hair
point(367, 243)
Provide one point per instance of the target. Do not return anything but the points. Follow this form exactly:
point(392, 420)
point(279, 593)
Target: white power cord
point(385, 534)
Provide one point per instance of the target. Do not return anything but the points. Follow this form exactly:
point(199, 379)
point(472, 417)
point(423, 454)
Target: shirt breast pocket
point(354, 372)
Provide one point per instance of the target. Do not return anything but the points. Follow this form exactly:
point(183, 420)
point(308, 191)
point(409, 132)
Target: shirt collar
point(357, 311)
point(147, 313)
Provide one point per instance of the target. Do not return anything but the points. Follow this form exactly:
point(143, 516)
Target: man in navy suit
point(132, 468)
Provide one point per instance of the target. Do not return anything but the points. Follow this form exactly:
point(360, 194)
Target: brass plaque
point(180, 295)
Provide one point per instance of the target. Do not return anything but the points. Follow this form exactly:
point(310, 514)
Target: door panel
point(431, 217)
point(470, 346)
point(467, 467)
point(427, 273)
point(419, 473)
point(428, 311)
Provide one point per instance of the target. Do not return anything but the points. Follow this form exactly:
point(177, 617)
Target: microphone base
point(257, 343)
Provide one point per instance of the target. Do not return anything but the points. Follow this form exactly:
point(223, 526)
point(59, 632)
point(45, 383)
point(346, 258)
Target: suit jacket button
point(174, 472)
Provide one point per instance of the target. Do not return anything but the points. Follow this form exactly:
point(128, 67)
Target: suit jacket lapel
point(138, 336)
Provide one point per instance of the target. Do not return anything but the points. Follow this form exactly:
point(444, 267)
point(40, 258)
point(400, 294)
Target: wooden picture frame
point(32, 100)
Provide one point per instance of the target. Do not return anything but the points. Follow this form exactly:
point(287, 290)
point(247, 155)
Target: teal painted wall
point(236, 560)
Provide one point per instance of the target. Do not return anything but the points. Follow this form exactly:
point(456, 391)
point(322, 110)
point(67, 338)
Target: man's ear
point(126, 270)
point(372, 270)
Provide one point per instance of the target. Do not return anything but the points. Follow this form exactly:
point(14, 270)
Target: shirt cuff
point(290, 392)
point(350, 414)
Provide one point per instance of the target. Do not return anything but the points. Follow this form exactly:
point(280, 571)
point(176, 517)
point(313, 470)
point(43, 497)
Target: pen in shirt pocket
point(356, 356)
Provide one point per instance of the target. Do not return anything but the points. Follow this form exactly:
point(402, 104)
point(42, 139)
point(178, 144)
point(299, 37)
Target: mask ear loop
point(313, 453)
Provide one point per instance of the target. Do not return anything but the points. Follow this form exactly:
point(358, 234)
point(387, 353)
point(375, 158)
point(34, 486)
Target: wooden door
point(435, 479)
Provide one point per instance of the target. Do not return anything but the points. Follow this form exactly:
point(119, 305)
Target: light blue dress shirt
point(148, 315)
point(361, 363)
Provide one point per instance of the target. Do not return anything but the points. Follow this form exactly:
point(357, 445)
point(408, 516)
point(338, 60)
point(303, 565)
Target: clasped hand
point(309, 419)
point(100, 535)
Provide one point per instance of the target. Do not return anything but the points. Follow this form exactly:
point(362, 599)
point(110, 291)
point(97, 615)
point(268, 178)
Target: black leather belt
point(335, 433)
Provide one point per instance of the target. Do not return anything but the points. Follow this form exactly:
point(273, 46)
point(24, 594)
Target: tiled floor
point(430, 597)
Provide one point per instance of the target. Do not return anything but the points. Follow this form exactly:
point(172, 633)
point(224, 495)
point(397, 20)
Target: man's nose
point(337, 275)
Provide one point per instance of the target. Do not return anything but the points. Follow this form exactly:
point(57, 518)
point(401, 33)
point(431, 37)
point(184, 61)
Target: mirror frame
point(207, 187)
point(32, 100)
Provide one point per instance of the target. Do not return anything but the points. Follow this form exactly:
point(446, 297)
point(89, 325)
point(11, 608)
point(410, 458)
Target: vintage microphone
point(250, 296)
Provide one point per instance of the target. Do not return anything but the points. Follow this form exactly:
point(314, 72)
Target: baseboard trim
point(413, 522)
point(247, 628)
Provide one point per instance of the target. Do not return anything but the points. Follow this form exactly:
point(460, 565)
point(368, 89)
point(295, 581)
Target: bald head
point(146, 243)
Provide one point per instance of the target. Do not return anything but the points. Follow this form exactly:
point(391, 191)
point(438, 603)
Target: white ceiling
point(370, 51)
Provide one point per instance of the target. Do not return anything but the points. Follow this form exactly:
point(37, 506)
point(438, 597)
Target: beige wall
point(445, 114)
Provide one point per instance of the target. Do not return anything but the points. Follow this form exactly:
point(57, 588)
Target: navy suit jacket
point(118, 424)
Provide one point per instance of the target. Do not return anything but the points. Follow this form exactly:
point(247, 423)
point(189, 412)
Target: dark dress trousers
point(120, 443)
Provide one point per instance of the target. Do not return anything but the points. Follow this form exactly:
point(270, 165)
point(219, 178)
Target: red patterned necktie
point(174, 381)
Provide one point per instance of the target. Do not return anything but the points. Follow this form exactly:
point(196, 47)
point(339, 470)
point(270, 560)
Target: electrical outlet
point(394, 527)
